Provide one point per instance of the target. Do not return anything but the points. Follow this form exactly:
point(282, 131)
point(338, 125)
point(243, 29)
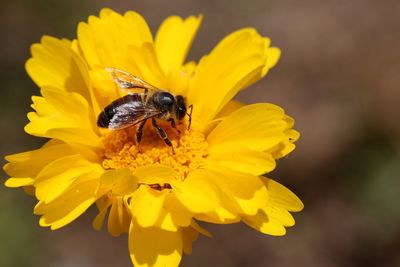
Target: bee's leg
point(145, 95)
point(190, 116)
point(173, 124)
point(163, 134)
point(139, 134)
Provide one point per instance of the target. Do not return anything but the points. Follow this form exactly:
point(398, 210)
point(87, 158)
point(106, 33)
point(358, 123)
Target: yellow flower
point(153, 194)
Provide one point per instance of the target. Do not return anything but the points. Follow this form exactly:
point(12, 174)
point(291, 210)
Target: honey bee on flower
point(137, 108)
point(157, 195)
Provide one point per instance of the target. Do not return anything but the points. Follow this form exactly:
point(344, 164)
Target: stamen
point(121, 150)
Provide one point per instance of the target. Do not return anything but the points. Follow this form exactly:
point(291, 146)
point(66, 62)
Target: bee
point(136, 108)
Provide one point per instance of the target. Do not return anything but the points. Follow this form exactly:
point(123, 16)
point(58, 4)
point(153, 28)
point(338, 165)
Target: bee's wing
point(129, 114)
point(128, 81)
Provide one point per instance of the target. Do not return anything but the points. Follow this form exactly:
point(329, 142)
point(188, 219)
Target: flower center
point(121, 149)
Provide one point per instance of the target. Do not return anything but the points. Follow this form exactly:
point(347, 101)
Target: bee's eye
point(180, 111)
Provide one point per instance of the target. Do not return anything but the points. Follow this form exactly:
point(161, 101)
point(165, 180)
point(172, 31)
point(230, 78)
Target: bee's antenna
point(190, 116)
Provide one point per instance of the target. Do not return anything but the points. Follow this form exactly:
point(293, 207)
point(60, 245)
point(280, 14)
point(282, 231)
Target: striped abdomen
point(122, 113)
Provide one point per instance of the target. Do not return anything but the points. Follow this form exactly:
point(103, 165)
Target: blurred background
point(338, 77)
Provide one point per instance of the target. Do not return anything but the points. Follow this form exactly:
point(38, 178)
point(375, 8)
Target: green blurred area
point(338, 77)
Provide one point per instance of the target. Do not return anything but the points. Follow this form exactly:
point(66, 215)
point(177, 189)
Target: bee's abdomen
point(107, 114)
point(116, 109)
point(103, 120)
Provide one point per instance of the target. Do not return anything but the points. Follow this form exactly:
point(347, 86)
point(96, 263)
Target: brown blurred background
point(338, 76)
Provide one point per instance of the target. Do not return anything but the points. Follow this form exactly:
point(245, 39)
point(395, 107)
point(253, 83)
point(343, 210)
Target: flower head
point(153, 193)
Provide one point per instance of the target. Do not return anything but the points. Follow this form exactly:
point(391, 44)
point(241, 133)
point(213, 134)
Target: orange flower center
point(121, 149)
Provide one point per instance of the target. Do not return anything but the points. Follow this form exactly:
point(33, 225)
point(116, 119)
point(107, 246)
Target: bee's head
point(180, 108)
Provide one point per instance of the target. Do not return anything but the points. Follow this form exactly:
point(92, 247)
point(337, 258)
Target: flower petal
point(257, 127)
point(275, 216)
point(71, 120)
point(242, 160)
point(155, 174)
point(265, 224)
point(146, 205)
point(178, 214)
point(105, 40)
point(230, 107)
point(119, 182)
point(237, 61)
point(100, 217)
point(197, 192)
point(57, 176)
point(154, 246)
point(287, 144)
point(118, 219)
point(221, 215)
point(18, 182)
point(26, 165)
point(54, 63)
point(146, 65)
point(281, 196)
point(68, 206)
point(245, 194)
point(273, 55)
point(189, 235)
point(173, 41)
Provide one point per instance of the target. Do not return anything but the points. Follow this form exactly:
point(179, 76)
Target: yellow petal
point(264, 224)
point(279, 214)
point(105, 40)
point(70, 135)
point(242, 160)
point(189, 235)
point(179, 215)
point(166, 222)
point(230, 107)
point(118, 219)
point(200, 229)
point(155, 174)
point(273, 55)
point(72, 105)
point(105, 90)
point(237, 61)
point(54, 63)
point(57, 176)
point(145, 64)
point(281, 196)
point(68, 206)
point(246, 193)
point(99, 219)
point(154, 246)
point(71, 119)
point(26, 165)
point(220, 215)
point(257, 127)
point(119, 182)
point(173, 214)
point(146, 205)
point(178, 82)
point(173, 41)
point(287, 144)
point(142, 63)
point(18, 182)
point(197, 192)
point(271, 220)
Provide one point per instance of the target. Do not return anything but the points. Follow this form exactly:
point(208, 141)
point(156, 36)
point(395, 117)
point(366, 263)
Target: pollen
point(122, 150)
